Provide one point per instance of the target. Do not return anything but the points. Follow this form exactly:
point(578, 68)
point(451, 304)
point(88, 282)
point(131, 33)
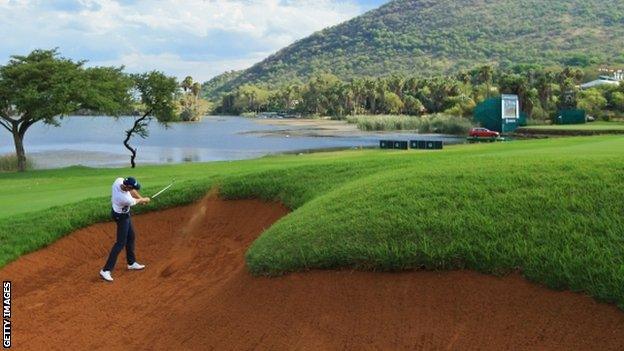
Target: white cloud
point(209, 36)
point(175, 65)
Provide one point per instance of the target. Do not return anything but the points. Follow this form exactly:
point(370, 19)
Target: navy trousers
point(125, 238)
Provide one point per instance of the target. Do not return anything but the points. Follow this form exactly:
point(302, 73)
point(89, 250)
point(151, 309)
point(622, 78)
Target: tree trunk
point(18, 139)
point(132, 150)
point(129, 132)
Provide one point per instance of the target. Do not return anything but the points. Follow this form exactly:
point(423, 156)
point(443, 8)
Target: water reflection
point(97, 141)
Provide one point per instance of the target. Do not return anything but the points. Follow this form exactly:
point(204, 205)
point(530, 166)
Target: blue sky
point(198, 37)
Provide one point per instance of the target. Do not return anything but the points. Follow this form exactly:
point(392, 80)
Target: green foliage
point(191, 106)
point(43, 86)
point(413, 106)
point(392, 103)
point(157, 93)
point(157, 96)
point(425, 38)
point(437, 123)
point(8, 163)
point(592, 101)
point(541, 92)
point(107, 91)
point(617, 100)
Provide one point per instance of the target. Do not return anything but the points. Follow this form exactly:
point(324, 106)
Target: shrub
point(8, 163)
point(437, 123)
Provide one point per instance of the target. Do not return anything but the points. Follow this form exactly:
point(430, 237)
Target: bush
point(8, 163)
point(437, 123)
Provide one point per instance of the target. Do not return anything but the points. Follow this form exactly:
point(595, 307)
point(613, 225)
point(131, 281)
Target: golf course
point(529, 232)
point(312, 175)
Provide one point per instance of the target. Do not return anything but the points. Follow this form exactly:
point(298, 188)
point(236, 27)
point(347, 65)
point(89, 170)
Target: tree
point(396, 84)
point(485, 74)
point(157, 94)
point(187, 83)
point(592, 101)
point(517, 84)
point(43, 86)
point(196, 89)
point(249, 97)
point(568, 94)
point(413, 106)
point(371, 94)
point(359, 95)
point(617, 99)
point(392, 103)
point(192, 107)
point(322, 93)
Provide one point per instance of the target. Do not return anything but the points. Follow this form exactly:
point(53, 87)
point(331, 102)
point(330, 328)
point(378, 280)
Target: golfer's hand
point(146, 200)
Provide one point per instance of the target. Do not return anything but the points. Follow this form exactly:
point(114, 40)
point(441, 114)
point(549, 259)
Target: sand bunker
point(196, 294)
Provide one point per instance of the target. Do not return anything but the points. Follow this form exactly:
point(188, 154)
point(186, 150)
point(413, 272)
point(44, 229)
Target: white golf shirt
point(121, 200)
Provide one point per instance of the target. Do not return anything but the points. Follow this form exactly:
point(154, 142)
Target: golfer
point(124, 195)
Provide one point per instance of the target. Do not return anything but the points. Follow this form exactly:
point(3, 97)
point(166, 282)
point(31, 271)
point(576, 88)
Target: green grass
point(551, 209)
point(437, 123)
point(598, 126)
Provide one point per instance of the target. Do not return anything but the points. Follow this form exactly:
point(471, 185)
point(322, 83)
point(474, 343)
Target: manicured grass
point(553, 212)
point(549, 208)
point(41, 189)
point(598, 126)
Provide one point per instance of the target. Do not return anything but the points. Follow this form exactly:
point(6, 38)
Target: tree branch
point(25, 125)
point(5, 125)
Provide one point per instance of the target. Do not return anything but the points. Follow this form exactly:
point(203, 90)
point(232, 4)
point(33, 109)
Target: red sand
point(197, 294)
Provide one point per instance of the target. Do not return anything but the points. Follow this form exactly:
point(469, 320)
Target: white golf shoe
point(136, 266)
point(106, 275)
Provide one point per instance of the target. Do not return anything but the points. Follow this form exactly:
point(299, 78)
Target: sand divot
point(183, 251)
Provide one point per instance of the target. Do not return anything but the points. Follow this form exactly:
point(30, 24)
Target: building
point(614, 79)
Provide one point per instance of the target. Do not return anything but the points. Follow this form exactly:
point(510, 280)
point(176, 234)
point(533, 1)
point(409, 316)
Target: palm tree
point(485, 75)
point(359, 93)
point(187, 83)
point(371, 94)
point(395, 84)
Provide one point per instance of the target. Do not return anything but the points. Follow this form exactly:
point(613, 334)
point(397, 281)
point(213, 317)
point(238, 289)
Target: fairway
point(596, 126)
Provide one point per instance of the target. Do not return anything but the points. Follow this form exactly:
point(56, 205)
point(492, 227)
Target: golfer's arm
point(140, 199)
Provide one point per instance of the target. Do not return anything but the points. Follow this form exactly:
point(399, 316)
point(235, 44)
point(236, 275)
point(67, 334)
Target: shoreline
point(327, 128)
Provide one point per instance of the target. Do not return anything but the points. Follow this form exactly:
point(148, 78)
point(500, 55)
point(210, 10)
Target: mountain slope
point(438, 36)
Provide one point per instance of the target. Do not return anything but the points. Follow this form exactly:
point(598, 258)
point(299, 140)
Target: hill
point(428, 37)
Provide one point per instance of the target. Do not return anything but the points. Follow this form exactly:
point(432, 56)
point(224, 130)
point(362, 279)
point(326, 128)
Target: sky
point(201, 38)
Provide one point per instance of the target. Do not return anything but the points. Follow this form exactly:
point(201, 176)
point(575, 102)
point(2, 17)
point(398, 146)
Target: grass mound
point(555, 214)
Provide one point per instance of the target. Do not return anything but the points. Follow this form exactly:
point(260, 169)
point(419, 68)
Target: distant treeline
point(542, 93)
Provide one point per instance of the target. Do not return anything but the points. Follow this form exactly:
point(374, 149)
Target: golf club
point(163, 189)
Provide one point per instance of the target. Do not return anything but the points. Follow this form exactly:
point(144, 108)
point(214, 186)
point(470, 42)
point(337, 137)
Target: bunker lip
point(197, 294)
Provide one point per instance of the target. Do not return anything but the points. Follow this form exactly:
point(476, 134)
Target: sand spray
point(183, 251)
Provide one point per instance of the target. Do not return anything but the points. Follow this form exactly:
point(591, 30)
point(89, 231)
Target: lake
point(97, 141)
